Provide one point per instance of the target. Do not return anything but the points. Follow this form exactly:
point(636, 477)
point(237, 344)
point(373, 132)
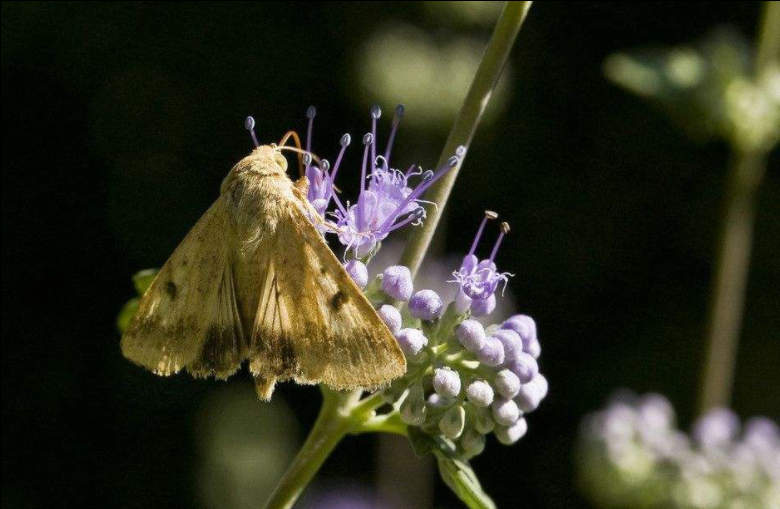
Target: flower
point(391, 316)
point(507, 383)
point(387, 200)
point(480, 393)
point(425, 305)
point(479, 280)
point(471, 334)
point(358, 272)
point(446, 382)
point(411, 341)
point(397, 282)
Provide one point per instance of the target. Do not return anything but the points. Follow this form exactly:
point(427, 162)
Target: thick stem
point(462, 131)
point(739, 209)
point(334, 421)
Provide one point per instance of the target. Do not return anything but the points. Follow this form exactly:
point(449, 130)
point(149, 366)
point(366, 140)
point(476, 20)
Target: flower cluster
point(633, 455)
point(389, 198)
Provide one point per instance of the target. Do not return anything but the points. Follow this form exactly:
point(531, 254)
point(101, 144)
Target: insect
point(254, 280)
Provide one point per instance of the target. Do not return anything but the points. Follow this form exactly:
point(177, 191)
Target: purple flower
point(446, 382)
point(513, 345)
point(358, 272)
point(524, 366)
point(470, 334)
point(717, 427)
point(426, 305)
point(391, 316)
point(532, 393)
point(387, 199)
point(479, 280)
point(411, 341)
point(492, 352)
point(397, 282)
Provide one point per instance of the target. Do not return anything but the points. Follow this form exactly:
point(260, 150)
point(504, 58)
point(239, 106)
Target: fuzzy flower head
point(479, 280)
point(388, 199)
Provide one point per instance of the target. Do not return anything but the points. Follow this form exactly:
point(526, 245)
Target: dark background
point(119, 121)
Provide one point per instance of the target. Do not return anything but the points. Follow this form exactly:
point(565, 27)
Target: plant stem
point(474, 105)
point(739, 209)
point(333, 422)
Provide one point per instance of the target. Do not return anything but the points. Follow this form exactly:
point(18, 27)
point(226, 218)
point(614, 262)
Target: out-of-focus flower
point(632, 455)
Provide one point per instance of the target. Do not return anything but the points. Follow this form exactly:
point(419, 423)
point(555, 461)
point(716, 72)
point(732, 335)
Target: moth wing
point(313, 324)
point(188, 318)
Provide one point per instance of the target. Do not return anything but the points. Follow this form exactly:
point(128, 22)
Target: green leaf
point(460, 477)
point(422, 443)
point(143, 280)
point(126, 314)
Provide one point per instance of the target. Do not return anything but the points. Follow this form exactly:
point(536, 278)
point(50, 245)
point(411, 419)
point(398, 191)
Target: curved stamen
point(249, 125)
point(488, 215)
point(504, 231)
point(399, 113)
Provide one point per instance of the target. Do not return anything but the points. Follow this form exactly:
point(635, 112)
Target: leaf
point(143, 280)
point(460, 477)
point(126, 314)
point(422, 443)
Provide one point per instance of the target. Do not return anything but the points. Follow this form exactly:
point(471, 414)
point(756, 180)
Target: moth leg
point(264, 386)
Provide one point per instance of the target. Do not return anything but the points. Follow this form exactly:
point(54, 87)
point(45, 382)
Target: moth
point(255, 280)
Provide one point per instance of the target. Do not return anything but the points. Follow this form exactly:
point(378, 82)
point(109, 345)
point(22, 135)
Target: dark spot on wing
point(171, 290)
point(220, 354)
point(338, 300)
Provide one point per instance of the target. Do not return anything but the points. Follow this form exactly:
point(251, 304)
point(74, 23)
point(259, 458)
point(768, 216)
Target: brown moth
point(255, 280)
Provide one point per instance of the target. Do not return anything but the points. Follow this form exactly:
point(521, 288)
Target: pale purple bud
point(492, 352)
point(762, 433)
point(505, 412)
point(411, 341)
point(513, 345)
point(483, 307)
point(717, 427)
point(391, 316)
point(426, 305)
point(534, 348)
point(453, 422)
point(507, 384)
point(413, 407)
point(446, 382)
point(472, 442)
point(532, 393)
point(524, 366)
point(479, 393)
point(523, 325)
point(470, 334)
point(511, 434)
point(397, 282)
point(358, 272)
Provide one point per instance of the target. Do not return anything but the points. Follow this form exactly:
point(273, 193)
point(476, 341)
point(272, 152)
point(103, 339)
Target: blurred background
point(120, 120)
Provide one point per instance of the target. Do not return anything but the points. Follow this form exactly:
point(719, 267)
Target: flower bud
point(510, 434)
point(507, 384)
point(411, 341)
point(523, 325)
point(413, 407)
point(532, 393)
point(446, 382)
point(472, 442)
point(358, 272)
point(524, 366)
point(513, 345)
point(397, 282)
point(471, 335)
point(436, 401)
point(479, 393)
point(426, 305)
point(453, 422)
point(462, 302)
point(483, 423)
point(491, 353)
point(505, 412)
point(534, 348)
point(391, 316)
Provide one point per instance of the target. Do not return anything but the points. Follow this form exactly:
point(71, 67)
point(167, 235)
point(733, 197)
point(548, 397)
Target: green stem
point(474, 105)
point(732, 267)
point(333, 423)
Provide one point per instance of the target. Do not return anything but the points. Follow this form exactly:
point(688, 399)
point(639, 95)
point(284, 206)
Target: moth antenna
point(297, 140)
point(249, 125)
point(301, 152)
